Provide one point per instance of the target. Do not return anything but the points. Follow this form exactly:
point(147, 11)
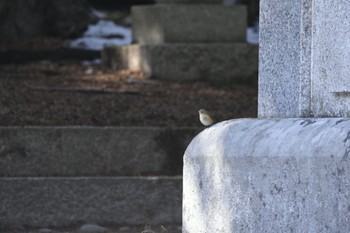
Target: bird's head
point(202, 111)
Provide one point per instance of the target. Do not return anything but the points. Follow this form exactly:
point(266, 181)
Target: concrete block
point(269, 175)
point(59, 202)
point(92, 151)
point(303, 70)
point(218, 62)
point(188, 23)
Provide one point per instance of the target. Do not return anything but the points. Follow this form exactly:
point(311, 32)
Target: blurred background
point(145, 66)
point(51, 72)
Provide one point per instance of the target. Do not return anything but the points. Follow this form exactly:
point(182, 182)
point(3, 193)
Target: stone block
point(303, 70)
point(188, 23)
point(279, 58)
point(330, 57)
point(217, 62)
point(268, 175)
point(59, 202)
point(92, 151)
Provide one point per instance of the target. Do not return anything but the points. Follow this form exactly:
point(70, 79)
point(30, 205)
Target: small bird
point(205, 117)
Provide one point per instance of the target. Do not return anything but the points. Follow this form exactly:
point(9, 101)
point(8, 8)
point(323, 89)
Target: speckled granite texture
point(279, 58)
point(304, 54)
point(330, 58)
point(268, 175)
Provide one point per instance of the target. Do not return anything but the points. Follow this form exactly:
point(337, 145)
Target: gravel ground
point(41, 86)
point(65, 92)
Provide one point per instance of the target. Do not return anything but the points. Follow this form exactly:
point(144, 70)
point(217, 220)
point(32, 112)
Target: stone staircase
point(69, 176)
point(188, 40)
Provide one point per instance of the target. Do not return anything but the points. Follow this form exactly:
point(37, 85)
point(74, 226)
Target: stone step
point(40, 202)
point(189, 23)
point(217, 62)
point(92, 151)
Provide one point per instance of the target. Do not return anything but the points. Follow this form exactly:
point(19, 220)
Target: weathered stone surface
point(330, 67)
point(279, 58)
point(303, 69)
point(57, 202)
point(188, 23)
point(92, 151)
point(219, 62)
point(269, 175)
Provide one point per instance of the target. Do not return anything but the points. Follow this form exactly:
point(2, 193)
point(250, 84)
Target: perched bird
point(205, 118)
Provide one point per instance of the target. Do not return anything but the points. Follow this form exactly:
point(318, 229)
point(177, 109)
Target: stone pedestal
point(284, 174)
point(260, 175)
point(188, 62)
point(188, 40)
point(188, 23)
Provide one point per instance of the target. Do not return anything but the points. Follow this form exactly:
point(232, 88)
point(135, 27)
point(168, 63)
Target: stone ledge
point(189, 23)
point(217, 62)
point(268, 175)
point(59, 202)
point(92, 151)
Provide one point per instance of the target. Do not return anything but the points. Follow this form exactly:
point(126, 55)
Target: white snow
point(91, 62)
point(106, 28)
point(253, 35)
point(103, 33)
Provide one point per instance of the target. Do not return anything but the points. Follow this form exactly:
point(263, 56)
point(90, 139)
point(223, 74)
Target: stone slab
point(188, 23)
point(217, 62)
point(58, 202)
point(268, 175)
point(92, 151)
point(279, 58)
point(303, 69)
point(330, 67)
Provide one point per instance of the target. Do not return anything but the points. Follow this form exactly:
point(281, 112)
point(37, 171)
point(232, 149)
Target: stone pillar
point(281, 172)
point(304, 59)
point(188, 40)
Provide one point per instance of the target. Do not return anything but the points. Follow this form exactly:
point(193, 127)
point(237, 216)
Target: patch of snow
point(105, 28)
point(103, 33)
point(96, 61)
point(94, 43)
point(253, 35)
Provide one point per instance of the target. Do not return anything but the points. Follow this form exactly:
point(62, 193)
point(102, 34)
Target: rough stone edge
point(209, 150)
